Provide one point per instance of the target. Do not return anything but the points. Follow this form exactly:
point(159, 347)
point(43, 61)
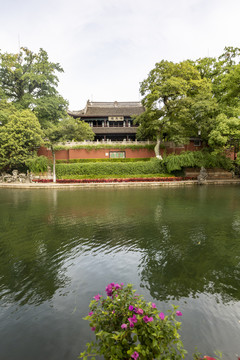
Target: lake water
point(58, 248)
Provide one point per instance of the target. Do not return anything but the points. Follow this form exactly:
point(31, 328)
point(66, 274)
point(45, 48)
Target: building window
point(117, 154)
point(197, 142)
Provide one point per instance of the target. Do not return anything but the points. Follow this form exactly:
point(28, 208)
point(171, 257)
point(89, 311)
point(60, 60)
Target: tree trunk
point(54, 166)
point(157, 148)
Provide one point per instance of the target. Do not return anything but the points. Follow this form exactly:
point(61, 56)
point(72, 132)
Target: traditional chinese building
point(111, 120)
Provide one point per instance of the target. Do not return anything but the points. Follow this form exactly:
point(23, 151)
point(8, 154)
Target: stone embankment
point(118, 185)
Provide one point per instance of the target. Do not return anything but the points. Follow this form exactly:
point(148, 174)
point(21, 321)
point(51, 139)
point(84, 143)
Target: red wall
point(95, 154)
point(101, 153)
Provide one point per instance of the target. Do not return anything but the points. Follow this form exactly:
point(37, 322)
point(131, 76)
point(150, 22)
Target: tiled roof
point(109, 109)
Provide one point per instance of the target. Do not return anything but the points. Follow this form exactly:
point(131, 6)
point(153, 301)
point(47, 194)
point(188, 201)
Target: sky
point(107, 47)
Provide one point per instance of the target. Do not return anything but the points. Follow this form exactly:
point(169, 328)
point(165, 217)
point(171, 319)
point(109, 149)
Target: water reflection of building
point(111, 120)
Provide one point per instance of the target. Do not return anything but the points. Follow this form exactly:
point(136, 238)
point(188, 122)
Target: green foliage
point(106, 146)
point(73, 161)
point(223, 72)
point(177, 102)
point(183, 99)
point(65, 130)
point(6, 110)
point(127, 327)
point(225, 133)
point(37, 164)
point(129, 176)
point(197, 159)
point(19, 138)
point(106, 168)
point(238, 158)
point(29, 81)
point(50, 108)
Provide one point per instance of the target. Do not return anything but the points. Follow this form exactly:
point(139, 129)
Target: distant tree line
point(193, 99)
point(32, 112)
point(198, 99)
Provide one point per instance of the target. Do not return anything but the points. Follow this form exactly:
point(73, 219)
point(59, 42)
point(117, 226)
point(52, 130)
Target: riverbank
point(118, 185)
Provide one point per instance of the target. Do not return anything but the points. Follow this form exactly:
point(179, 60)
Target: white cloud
point(107, 47)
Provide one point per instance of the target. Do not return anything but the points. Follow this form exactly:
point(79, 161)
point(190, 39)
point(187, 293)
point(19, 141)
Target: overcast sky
point(107, 47)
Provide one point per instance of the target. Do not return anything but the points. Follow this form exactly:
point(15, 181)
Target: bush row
point(73, 161)
point(106, 146)
point(106, 168)
point(197, 159)
point(169, 164)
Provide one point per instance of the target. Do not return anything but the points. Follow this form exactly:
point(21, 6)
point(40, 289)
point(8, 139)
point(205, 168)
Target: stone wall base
point(212, 173)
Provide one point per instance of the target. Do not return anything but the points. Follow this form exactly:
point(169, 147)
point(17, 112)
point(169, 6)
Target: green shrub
point(116, 176)
point(37, 164)
point(106, 146)
point(175, 162)
point(72, 161)
point(106, 168)
point(126, 327)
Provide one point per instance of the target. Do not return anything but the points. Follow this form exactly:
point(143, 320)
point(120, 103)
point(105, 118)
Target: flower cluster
point(115, 180)
point(111, 287)
point(127, 327)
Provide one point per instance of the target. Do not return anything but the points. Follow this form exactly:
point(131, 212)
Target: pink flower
point(97, 297)
point(147, 319)
point(153, 305)
point(124, 326)
point(90, 314)
point(162, 316)
point(132, 320)
point(178, 313)
point(109, 289)
point(140, 311)
point(131, 323)
point(135, 355)
point(130, 308)
point(93, 328)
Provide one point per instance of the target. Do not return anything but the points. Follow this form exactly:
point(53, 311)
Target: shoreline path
point(118, 185)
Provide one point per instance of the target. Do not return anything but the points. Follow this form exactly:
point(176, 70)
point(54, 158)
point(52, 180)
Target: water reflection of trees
point(31, 251)
point(196, 253)
point(188, 244)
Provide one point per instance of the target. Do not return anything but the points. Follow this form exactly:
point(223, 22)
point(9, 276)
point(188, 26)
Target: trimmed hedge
point(73, 161)
point(106, 146)
point(171, 163)
point(150, 176)
point(117, 168)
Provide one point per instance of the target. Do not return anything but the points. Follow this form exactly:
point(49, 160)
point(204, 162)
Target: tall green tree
point(19, 138)
point(29, 80)
point(178, 103)
point(66, 130)
point(224, 74)
point(226, 134)
point(6, 110)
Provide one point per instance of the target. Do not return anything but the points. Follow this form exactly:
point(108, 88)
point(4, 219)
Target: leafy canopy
point(19, 138)
point(177, 101)
point(193, 99)
point(29, 81)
